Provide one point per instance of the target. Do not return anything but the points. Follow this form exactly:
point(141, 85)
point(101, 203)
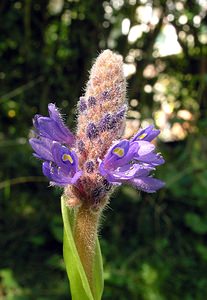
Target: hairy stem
point(85, 234)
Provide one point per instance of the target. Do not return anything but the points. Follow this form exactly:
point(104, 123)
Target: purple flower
point(127, 161)
point(53, 127)
point(60, 164)
point(132, 162)
point(63, 169)
point(147, 134)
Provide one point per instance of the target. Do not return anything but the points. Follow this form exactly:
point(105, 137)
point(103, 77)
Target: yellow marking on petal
point(68, 157)
point(118, 151)
point(142, 136)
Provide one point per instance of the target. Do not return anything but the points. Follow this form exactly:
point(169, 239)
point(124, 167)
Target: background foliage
point(154, 246)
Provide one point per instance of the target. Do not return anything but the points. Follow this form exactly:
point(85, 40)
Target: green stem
point(85, 234)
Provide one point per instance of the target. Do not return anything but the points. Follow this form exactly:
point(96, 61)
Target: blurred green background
point(154, 245)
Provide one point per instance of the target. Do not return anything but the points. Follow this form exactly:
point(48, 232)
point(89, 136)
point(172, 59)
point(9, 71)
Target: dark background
point(154, 245)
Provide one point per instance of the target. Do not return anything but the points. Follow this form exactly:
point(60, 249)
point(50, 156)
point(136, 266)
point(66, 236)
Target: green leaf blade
point(98, 279)
point(79, 284)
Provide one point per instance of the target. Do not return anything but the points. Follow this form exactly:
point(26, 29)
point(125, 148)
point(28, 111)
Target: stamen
point(51, 167)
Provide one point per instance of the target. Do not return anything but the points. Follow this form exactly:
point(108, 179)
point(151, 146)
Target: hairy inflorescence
point(92, 162)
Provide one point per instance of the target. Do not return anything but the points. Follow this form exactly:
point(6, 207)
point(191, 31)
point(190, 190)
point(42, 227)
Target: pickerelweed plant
point(91, 164)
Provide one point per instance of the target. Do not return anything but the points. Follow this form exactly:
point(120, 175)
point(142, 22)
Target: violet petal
point(147, 134)
point(53, 127)
point(42, 148)
point(147, 184)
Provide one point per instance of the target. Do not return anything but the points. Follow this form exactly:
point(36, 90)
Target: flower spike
point(82, 162)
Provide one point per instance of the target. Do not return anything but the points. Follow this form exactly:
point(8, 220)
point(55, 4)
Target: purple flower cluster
point(126, 161)
point(60, 164)
point(132, 161)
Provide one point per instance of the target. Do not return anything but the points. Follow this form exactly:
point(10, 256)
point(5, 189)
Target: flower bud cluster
point(101, 120)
